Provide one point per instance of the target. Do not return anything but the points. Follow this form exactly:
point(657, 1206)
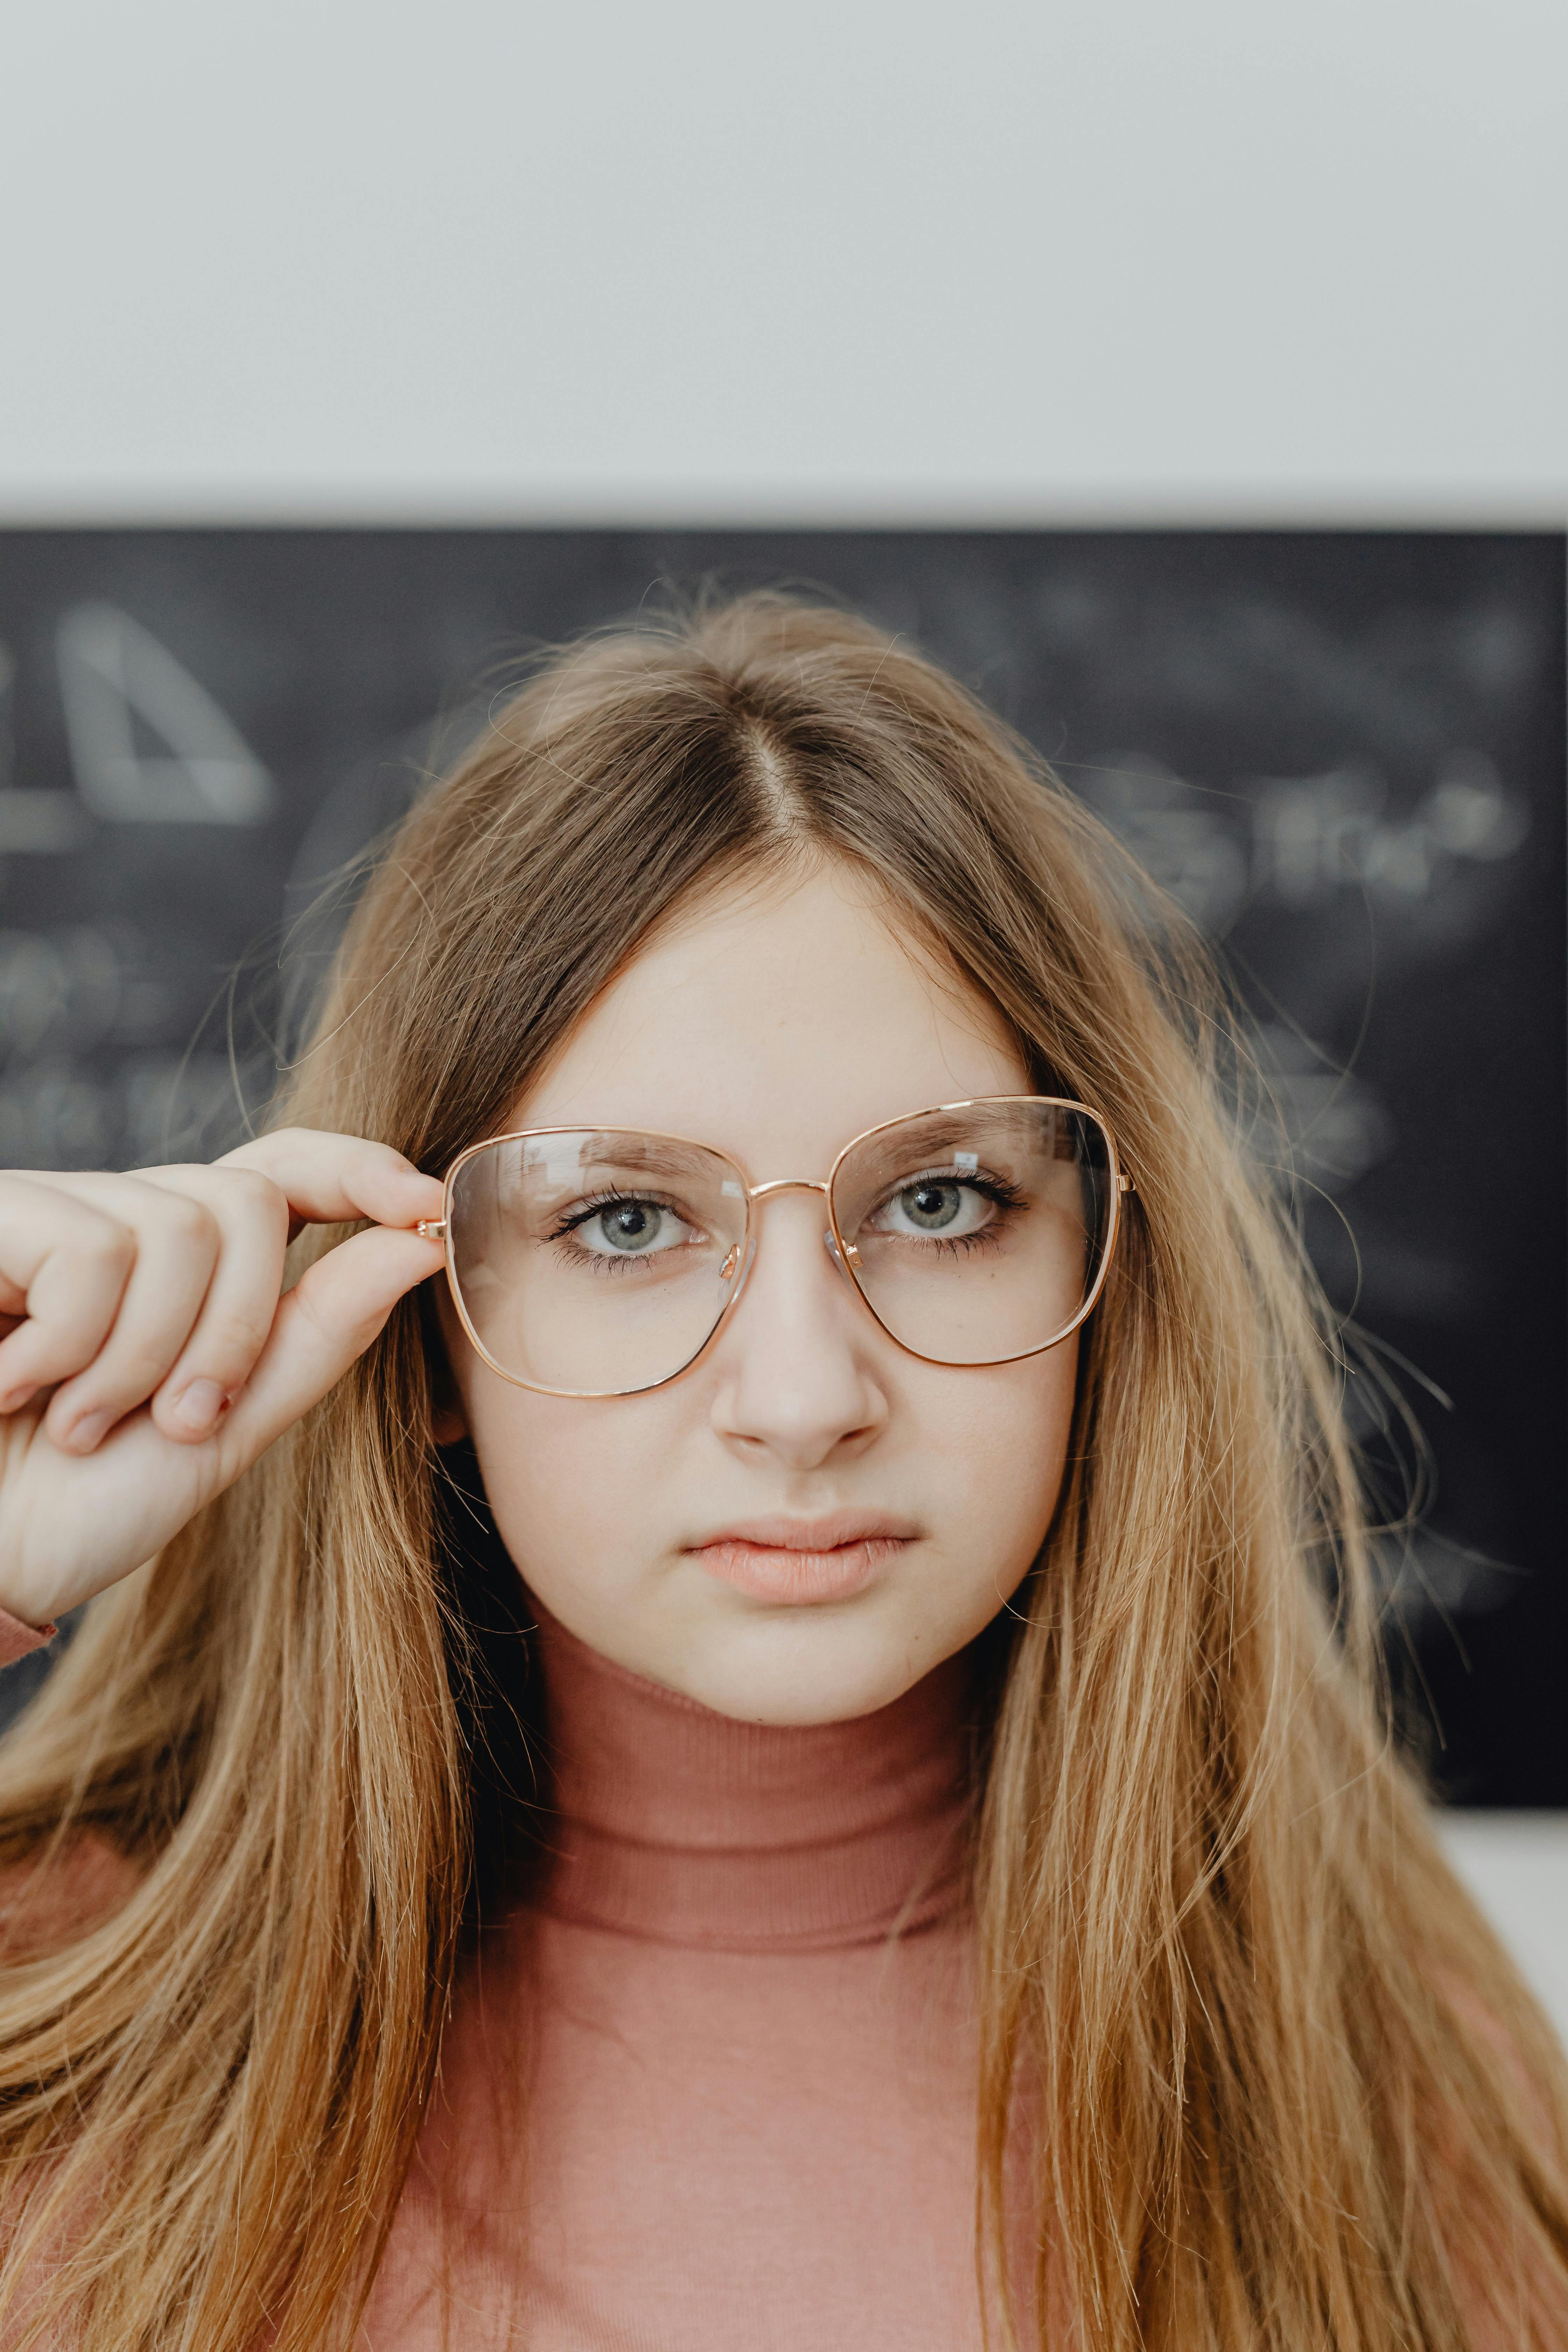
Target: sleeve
point(19, 1640)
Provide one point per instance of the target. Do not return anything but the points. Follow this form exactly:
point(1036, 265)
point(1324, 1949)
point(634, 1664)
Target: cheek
point(570, 1480)
point(560, 1481)
point(995, 1447)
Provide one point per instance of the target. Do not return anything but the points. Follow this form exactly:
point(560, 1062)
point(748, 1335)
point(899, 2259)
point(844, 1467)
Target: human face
point(774, 1027)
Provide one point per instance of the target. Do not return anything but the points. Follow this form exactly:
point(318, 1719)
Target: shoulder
point(59, 1893)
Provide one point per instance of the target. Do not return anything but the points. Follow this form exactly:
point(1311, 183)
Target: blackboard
point(1344, 752)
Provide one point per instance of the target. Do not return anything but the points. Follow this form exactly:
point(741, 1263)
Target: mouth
point(792, 1563)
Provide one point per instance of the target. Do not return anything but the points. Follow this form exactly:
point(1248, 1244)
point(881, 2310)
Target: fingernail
point(196, 1408)
point(84, 1435)
point(14, 1398)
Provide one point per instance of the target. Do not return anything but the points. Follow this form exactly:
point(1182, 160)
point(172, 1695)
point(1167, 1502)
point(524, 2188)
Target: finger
point(328, 1319)
point(236, 1317)
point(69, 1262)
point(328, 1179)
point(177, 1244)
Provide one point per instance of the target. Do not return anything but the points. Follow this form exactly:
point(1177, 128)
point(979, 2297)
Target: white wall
point(845, 258)
point(1516, 1867)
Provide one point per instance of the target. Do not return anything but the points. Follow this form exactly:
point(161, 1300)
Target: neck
point(669, 1821)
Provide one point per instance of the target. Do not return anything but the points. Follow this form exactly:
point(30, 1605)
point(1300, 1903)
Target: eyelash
point(607, 1261)
point(995, 1189)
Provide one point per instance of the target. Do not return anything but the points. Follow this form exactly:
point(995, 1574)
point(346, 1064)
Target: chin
point(804, 1666)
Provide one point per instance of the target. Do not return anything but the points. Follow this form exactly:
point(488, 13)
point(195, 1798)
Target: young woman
point(749, 1717)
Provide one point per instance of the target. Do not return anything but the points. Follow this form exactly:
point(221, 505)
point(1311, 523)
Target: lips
point(794, 1562)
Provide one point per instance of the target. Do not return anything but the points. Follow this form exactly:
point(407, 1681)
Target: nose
point(796, 1370)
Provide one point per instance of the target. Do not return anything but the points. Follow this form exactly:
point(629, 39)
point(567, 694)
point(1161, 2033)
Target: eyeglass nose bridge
point(789, 1184)
point(843, 1258)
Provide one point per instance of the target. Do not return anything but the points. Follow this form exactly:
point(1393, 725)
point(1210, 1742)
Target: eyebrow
point(939, 1136)
point(955, 1129)
point(635, 1154)
point(942, 1134)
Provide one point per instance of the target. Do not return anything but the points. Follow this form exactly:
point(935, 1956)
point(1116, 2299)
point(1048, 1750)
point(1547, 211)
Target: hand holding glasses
point(598, 1262)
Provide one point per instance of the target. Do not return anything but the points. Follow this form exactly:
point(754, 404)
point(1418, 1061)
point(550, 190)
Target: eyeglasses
point(598, 1262)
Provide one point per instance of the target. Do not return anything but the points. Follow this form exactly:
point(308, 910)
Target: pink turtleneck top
point(695, 2093)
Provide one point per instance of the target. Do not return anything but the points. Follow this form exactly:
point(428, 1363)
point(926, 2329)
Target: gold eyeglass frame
point(844, 1254)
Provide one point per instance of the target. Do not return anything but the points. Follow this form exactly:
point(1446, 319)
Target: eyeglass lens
point(598, 1262)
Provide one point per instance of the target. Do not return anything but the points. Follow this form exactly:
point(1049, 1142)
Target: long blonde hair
point(1272, 2056)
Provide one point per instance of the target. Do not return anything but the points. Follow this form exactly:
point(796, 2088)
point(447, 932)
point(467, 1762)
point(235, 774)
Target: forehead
point(774, 1025)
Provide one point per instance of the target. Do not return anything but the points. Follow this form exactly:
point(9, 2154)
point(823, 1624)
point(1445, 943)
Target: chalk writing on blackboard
point(114, 673)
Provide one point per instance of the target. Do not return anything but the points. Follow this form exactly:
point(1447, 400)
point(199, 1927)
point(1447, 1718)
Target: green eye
point(938, 1207)
point(932, 1207)
point(628, 1227)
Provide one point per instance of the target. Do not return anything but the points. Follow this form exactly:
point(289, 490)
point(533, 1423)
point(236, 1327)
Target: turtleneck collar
point(668, 1822)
